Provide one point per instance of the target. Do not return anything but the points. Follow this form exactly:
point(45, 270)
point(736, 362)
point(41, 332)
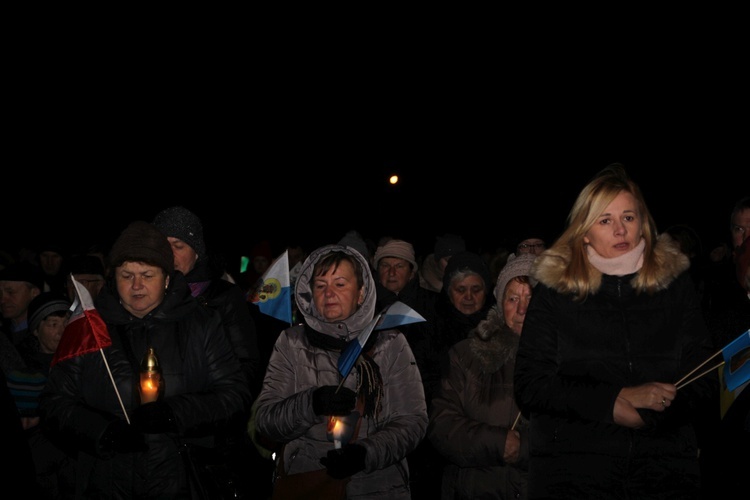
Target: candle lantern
point(152, 384)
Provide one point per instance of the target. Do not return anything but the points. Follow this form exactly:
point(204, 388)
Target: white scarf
point(627, 263)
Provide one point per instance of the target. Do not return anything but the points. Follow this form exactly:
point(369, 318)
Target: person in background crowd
point(336, 297)
point(88, 271)
point(19, 284)
point(354, 239)
point(18, 471)
point(725, 459)
point(613, 325)
point(52, 261)
point(261, 258)
point(128, 445)
point(532, 244)
point(433, 265)
point(474, 420)
point(461, 305)
point(184, 230)
point(397, 280)
point(721, 285)
point(55, 467)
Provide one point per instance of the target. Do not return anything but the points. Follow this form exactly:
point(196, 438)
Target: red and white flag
point(85, 332)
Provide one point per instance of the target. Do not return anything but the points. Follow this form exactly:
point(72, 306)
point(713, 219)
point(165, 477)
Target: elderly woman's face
point(468, 293)
point(141, 287)
point(515, 303)
point(335, 292)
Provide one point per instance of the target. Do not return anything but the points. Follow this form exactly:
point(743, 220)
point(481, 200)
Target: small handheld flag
point(273, 294)
point(85, 332)
point(737, 361)
point(396, 314)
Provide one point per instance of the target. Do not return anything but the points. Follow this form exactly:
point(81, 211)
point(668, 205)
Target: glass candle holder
point(152, 384)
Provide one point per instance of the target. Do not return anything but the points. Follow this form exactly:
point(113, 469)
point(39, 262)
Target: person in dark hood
point(613, 329)
point(303, 388)
point(127, 436)
point(462, 303)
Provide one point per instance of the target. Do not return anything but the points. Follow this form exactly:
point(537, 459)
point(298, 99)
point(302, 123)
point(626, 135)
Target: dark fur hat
point(142, 242)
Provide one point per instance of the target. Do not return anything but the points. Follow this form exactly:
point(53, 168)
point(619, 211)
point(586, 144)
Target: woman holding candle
point(303, 388)
point(127, 435)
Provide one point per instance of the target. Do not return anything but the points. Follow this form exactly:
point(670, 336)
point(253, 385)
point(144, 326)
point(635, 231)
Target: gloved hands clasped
point(345, 461)
point(327, 401)
point(154, 418)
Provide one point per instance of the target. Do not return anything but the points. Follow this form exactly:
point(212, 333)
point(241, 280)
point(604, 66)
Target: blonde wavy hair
point(581, 278)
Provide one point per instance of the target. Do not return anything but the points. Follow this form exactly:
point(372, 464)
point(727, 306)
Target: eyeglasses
point(527, 246)
point(737, 229)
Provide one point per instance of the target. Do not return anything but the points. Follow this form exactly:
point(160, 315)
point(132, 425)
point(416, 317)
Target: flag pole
point(680, 386)
point(697, 368)
point(122, 405)
point(515, 422)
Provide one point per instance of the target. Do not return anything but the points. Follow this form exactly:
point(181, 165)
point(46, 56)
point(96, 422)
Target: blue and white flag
point(396, 314)
point(737, 361)
point(272, 293)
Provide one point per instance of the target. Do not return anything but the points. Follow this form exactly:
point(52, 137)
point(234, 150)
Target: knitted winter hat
point(43, 305)
point(397, 248)
point(449, 245)
point(516, 265)
point(179, 222)
point(467, 261)
point(23, 271)
point(142, 242)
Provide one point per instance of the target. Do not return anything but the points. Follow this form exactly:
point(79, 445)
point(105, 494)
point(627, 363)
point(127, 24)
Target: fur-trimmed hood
point(550, 265)
point(492, 342)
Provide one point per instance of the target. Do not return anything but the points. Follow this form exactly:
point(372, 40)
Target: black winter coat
point(205, 388)
point(575, 357)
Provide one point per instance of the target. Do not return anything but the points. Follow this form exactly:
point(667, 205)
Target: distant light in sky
point(393, 179)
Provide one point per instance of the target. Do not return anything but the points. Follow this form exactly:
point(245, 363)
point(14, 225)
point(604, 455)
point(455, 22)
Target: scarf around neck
point(627, 263)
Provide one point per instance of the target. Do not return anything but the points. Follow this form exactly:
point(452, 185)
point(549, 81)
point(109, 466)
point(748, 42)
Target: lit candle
point(149, 387)
point(337, 430)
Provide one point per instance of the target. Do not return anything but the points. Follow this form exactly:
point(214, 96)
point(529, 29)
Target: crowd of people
point(546, 368)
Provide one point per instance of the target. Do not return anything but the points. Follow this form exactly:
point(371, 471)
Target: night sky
point(305, 165)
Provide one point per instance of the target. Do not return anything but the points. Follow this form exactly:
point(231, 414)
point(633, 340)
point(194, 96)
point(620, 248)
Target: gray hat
point(399, 249)
point(516, 265)
point(43, 305)
point(179, 222)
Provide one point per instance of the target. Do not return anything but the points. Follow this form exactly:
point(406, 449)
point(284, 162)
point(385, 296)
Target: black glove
point(123, 438)
point(326, 401)
point(154, 418)
point(345, 461)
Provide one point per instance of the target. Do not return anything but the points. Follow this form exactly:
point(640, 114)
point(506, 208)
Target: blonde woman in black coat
point(614, 324)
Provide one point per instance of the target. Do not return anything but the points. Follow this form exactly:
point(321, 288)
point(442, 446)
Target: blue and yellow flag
point(273, 294)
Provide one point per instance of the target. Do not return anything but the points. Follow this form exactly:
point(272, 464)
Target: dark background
point(298, 149)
